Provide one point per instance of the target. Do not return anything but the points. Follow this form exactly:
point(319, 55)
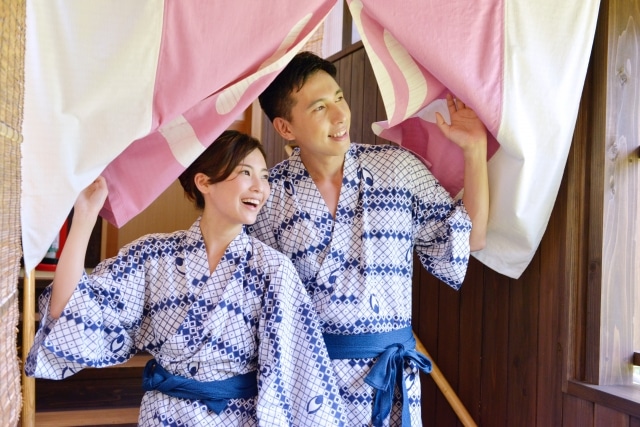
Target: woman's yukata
point(157, 295)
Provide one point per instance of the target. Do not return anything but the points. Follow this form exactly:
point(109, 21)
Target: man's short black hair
point(276, 99)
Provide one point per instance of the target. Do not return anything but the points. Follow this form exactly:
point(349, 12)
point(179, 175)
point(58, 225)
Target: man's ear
point(283, 128)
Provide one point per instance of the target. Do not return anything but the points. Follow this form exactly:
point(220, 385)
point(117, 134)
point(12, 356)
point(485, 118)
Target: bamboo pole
point(446, 389)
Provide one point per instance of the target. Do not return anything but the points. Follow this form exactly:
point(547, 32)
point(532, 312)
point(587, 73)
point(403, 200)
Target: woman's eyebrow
point(251, 167)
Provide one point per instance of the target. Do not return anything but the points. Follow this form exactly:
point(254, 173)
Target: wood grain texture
point(606, 417)
point(471, 327)
point(621, 234)
point(577, 412)
point(494, 382)
point(124, 417)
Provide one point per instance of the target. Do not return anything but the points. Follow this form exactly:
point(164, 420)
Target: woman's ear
point(283, 128)
point(202, 182)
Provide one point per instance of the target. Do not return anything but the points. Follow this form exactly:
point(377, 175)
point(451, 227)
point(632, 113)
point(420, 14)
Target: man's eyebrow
point(321, 99)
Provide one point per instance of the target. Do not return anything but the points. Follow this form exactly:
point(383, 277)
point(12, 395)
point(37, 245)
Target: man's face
point(320, 118)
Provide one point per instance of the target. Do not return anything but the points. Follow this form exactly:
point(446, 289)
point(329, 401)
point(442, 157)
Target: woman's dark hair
point(218, 161)
point(276, 99)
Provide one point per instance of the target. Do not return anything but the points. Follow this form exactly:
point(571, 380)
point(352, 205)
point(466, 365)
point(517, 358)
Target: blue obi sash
point(391, 349)
point(214, 394)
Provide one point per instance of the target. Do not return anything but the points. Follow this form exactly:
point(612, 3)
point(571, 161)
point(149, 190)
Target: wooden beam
point(88, 417)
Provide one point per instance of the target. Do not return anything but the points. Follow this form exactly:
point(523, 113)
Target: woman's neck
point(216, 239)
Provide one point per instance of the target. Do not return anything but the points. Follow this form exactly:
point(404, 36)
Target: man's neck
point(324, 169)
point(327, 176)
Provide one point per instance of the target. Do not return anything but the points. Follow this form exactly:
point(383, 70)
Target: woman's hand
point(91, 199)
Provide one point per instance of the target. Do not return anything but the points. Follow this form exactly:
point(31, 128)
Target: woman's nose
point(258, 184)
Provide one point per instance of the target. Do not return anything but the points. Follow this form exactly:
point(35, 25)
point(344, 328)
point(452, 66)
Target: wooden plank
point(91, 389)
point(425, 324)
point(523, 360)
point(551, 317)
point(576, 247)
point(596, 190)
point(606, 417)
point(495, 340)
point(96, 417)
point(448, 348)
point(576, 412)
point(471, 326)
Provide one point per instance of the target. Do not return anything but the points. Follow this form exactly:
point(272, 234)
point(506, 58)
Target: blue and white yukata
point(357, 266)
point(157, 295)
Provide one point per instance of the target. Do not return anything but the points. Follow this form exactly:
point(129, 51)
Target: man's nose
point(338, 113)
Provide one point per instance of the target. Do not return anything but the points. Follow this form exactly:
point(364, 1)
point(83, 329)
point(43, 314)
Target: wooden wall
point(517, 351)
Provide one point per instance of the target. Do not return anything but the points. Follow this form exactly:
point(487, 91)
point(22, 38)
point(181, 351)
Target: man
point(350, 216)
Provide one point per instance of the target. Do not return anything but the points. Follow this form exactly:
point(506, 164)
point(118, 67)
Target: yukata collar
point(296, 167)
point(235, 250)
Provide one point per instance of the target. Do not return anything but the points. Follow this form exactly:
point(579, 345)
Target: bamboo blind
point(12, 46)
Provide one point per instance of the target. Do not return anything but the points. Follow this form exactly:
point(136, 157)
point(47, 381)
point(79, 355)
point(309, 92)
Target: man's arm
point(468, 132)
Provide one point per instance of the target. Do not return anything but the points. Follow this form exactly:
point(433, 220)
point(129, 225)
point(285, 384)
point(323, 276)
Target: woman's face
point(238, 199)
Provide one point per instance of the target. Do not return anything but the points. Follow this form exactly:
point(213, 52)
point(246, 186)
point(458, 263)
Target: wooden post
point(28, 333)
point(446, 389)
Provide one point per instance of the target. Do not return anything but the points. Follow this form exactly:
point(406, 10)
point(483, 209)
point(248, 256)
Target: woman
point(234, 336)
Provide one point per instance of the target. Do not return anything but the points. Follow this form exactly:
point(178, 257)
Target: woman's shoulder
point(153, 242)
point(156, 238)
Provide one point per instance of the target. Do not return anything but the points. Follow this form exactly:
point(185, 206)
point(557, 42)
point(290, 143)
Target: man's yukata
point(157, 295)
point(358, 266)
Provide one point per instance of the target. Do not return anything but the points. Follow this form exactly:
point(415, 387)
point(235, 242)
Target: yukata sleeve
point(296, 382)
point(96, 327)
point(441, 228)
